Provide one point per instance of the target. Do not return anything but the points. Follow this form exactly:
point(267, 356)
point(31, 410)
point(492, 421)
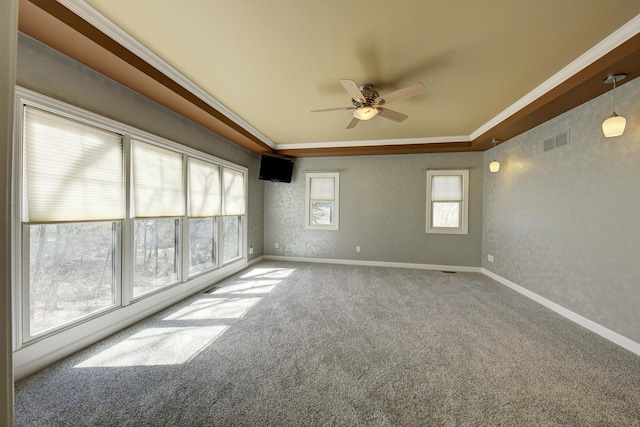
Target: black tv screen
point(276, 169)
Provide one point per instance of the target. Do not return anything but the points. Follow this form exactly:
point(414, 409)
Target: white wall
point(565, 224)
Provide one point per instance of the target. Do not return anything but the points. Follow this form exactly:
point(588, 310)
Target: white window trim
point(336, 201)
point(464, 208)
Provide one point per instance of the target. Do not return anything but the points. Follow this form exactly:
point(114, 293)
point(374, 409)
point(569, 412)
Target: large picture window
point(108, 215)
point(447, 206)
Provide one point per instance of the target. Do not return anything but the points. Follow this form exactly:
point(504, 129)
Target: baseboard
point(456, 268)
point(612, 336)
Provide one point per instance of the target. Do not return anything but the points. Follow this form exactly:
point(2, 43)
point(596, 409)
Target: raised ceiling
point(491, 68)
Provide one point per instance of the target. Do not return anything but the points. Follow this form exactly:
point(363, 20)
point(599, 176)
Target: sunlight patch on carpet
point(156, 346)
point(214, 308)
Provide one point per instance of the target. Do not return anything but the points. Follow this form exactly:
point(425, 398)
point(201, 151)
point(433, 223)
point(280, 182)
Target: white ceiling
point(271, 62)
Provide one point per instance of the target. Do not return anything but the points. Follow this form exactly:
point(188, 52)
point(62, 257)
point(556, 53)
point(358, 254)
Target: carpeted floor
point(299, 344)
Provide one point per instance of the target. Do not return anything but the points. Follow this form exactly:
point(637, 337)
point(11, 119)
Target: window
point(158, 199)
point(322, 194)
point(447, 206)
point(107, 215)
point(72, 206)
point(233, 212)
point(205, 206)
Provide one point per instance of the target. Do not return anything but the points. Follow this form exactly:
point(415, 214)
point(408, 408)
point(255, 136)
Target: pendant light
point(614, 125)
point(494, 166)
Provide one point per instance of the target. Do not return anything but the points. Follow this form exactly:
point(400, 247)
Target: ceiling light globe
point(494, 166)
point(365, 113)
point(614, 126)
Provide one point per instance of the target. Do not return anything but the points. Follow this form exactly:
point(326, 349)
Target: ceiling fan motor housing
point(369, 94)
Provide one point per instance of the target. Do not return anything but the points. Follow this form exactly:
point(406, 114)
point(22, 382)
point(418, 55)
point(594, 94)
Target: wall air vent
point(556, 141)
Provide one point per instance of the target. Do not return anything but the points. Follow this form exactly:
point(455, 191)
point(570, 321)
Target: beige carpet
point(299, 344)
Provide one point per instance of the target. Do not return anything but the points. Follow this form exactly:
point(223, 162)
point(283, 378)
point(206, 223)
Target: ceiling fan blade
point(354, 121)
point(333, 109)
point(352, 88)
point(412, 90)
point(392, 115)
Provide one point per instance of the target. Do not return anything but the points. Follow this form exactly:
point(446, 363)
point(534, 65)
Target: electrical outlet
point(490, 258)
point(250, 250)
point(277, 245)
point(357, 248)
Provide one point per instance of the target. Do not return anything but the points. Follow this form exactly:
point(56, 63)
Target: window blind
point(322, 188)
point(158, 181)
point(446, 188)
point(234, 200)
point(72, 171)
point(204, 189)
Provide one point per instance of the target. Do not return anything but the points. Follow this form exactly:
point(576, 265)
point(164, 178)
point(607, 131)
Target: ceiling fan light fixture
point(365, 113)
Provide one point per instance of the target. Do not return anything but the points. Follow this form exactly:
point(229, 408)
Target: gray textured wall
point(46, 71)
point(565, 223)
point(382, 209)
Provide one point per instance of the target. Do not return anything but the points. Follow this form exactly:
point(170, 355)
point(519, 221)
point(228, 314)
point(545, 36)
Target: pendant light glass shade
point(614, 126)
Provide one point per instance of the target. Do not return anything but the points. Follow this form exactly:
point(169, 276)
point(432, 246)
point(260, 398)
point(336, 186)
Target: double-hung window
point(322, 200)
point(205, 207)
point(233, 207)
point(447, 201)
point(158, 206)
point(72, 211)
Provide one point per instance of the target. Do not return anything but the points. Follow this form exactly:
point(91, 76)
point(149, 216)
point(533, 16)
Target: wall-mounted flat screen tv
point(276, 169)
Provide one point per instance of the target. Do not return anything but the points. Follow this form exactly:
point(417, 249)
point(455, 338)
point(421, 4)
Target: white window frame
point(464, 204)
point(335, 224)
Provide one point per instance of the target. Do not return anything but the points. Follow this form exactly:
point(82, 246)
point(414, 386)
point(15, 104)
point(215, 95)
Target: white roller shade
point(204, 189)
point(158, 181)
point(72, 171)
point(446, 188)
point(322, 188)
point(234, 200)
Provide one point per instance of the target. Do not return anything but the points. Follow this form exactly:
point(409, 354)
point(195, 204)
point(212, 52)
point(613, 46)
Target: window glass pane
point(232, 237)
point(72, 171)
point(155, 245)
point(204, 189)
point(202, 246)
point(446, 214)
point(70, 272)
point(158, 181)
point(446, 187)
point(321, 212)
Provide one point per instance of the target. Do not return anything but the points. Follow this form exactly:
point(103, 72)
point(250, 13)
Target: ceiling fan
point(367, 102)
